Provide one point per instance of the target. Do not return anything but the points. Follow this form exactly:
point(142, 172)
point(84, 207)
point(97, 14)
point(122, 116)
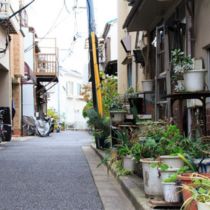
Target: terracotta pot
point(187, 180)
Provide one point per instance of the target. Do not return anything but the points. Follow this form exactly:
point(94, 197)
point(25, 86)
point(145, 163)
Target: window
point(69, 89)
point(129, 74)
point(78, 89)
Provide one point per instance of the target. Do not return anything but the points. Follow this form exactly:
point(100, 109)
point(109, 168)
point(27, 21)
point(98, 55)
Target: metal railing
point(46, 64)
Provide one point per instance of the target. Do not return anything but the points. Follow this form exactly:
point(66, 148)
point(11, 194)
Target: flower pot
point(203, 206)
point(172, 161)
point(179, 87)
point(151, 177)
point(117, 116)
point(147, 85)
point(138, 169)
point(167, 173)
point(194, 80)
point(171, 192)
point(203, 165)
point(128, 163)
point(186, 179)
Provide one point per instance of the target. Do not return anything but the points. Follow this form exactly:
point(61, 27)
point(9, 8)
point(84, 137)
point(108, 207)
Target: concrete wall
point(202, 28)
point(122, 69)
point(4, 57)
point(5, 89)
point(123, 10)
point(5, 80)
point(28, 89)
point(28, 102)
point(202, 43)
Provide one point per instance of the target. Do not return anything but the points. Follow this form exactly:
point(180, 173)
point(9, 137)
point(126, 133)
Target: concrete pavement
point(110, 191)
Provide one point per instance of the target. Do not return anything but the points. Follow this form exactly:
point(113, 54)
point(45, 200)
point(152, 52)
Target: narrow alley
point(47, 174)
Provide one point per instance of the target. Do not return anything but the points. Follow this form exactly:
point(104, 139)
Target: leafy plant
point(120, 171)
point(117, 104)
point(200, 190)
point(173, 177)
point(180, 61)
point(124, 150)
point(52, 113)
point(136, 150)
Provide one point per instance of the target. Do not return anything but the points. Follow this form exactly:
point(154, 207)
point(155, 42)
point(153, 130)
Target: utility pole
point(93, 52)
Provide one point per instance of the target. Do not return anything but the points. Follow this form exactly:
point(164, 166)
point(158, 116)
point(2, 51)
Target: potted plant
point(187, 69)
point(127, 158)
point(199, 193)
point(171, 191)
point(136, 153)
point(117, 113)
point(147, 84)
point(124, 151)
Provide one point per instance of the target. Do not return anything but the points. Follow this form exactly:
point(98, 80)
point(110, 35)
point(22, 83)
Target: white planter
point(203, 206)
point(204, 166)
point(147, 85)
point(152, 183)
point(168, 173)
point(172, 161)
point(194, 80)
point(171, 192)
point(117, 116)
point(128, 163)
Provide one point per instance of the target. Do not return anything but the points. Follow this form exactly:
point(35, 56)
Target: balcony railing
point(5, 12)
point(47, 66)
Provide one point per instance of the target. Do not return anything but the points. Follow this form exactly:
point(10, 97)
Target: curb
point(131, 185)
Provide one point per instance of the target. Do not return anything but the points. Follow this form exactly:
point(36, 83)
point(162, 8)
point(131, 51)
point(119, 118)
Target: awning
point(29, 73)
point(146, 14)
point(127, 60)
point(111, 68)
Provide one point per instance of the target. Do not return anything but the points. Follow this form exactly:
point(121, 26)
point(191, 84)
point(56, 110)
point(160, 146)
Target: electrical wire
point(53, 26)
point(66, 8)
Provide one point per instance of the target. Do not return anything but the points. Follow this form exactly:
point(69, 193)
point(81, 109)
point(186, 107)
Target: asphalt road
point(47, 174)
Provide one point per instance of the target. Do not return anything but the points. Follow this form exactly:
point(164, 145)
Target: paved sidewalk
point(110, 191)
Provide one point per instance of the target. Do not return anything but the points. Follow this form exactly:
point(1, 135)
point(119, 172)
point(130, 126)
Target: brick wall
point(17, 119)
point(17, 55)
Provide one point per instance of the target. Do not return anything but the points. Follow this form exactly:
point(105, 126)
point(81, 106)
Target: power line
point(54, 25)
point(66, 8)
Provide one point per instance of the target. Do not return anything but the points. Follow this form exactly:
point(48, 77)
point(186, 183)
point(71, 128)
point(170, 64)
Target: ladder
point(162, 75)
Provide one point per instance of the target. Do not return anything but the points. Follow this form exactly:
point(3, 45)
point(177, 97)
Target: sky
point(69, 26)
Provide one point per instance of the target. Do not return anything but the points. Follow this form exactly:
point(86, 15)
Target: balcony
point(47, 61)
point(10, 24)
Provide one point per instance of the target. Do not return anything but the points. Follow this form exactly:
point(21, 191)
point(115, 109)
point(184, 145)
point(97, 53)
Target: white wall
point(28, 100)
point(28, 89)
point(114, 41)
point(69, 107)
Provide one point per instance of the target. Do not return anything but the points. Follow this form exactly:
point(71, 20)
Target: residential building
point(169, 25)
point(66, 99)
point(11, 61)
point(108, 48)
